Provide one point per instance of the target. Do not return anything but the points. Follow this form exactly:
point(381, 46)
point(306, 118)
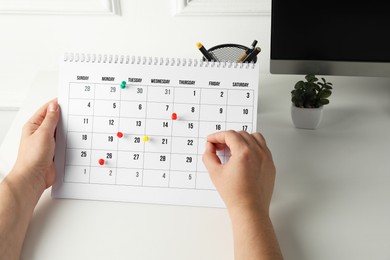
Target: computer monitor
point(332, 37)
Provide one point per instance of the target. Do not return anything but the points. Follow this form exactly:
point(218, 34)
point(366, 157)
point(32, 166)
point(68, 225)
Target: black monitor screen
point(331, 30)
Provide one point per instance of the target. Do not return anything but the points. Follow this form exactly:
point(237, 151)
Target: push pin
point(101, 161)
point(119, 134)
point(145, 138)
point(123, 85)
point(174, 116)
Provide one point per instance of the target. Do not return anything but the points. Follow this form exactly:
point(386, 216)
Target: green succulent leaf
point(311, 77)
point(324, 101)
point(299, 84)
point(325, 93)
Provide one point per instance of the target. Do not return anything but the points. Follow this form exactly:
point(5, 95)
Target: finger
point(260, 140)
point(211, 159)
point(231, 138)
point(220, 147)
point(50, 121)
point(252, 143)
point(36, 120)
point(262, 143)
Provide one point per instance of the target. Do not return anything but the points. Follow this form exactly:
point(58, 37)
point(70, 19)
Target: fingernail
point(53, 107)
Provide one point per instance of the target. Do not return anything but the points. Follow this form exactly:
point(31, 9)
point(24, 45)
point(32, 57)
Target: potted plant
point(308, 99)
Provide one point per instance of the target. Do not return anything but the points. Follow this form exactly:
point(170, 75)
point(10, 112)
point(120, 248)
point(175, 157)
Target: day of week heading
point(214, 83)
point(135, 80)
point(108, 78)
point(82, 77)
point(187, 82)
point(240, 84)
point(160, 81)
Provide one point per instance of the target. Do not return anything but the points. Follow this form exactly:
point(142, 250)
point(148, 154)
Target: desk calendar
point(134, 129)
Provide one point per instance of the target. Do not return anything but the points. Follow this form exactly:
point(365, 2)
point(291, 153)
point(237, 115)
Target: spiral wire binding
point(143, 60)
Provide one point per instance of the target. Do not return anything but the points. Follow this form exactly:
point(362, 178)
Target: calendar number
point(137, 140)
point(83, 153)
point(112, 89)
point(165, 124)
point(109, 155)
point(190, 176)
point(221, 110)
point(89, 104)
point(245, 111)
point(221, 94)
point(140, 107)
point(244, 127)
point(110, 138)
point(110, 172)
point(167, 91)
point(164, 141)
point(87, 88)
point(140, 90)
point(114, 105)
point(84, 137)
point(166, 107)
point(190, 142)
point(163, 158)
point(164, 175)
point(218, 127)
point(193, 109)
point(188, 159)
point(137, 123)
point(85, 121)
point(137, 174)
point(248, 95)
point(190, 125)
point(136, 156)
point(111, 121)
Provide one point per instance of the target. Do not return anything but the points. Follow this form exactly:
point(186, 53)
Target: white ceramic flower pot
point(306, 118)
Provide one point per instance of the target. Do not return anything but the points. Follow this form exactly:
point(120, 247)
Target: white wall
point(34, 42)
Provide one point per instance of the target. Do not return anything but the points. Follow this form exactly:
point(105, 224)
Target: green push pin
point(123, 85)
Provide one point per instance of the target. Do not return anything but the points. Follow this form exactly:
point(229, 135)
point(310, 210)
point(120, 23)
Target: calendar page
point(134, 129)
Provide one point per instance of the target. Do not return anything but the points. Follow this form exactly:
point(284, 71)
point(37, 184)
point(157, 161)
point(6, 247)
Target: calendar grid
point(128, 137)
point(170, 143)
point(66, 133)
point(90, 158)
point(117, 144)
point(197, 147)
point(179, 103)
point(146, 110)
point(210, 121)
point(192, 157)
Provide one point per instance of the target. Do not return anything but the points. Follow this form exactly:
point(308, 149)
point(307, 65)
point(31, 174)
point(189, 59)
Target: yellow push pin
point(145, 138)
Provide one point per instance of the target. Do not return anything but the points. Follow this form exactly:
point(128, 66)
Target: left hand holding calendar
point(36, 151)
point(33, 172)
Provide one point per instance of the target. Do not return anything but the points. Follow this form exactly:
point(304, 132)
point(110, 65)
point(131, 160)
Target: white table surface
point(331, 197)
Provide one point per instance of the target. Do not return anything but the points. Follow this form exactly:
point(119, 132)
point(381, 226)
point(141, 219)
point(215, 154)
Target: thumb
point(50, 121)
point(211, 160)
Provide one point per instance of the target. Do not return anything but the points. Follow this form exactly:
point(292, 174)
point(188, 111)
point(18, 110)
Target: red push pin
point(101, 161)
point(119, 134)
point(174, 116)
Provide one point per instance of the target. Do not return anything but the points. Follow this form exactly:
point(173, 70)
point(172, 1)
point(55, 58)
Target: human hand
point(246, 181)
point(34, 163)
